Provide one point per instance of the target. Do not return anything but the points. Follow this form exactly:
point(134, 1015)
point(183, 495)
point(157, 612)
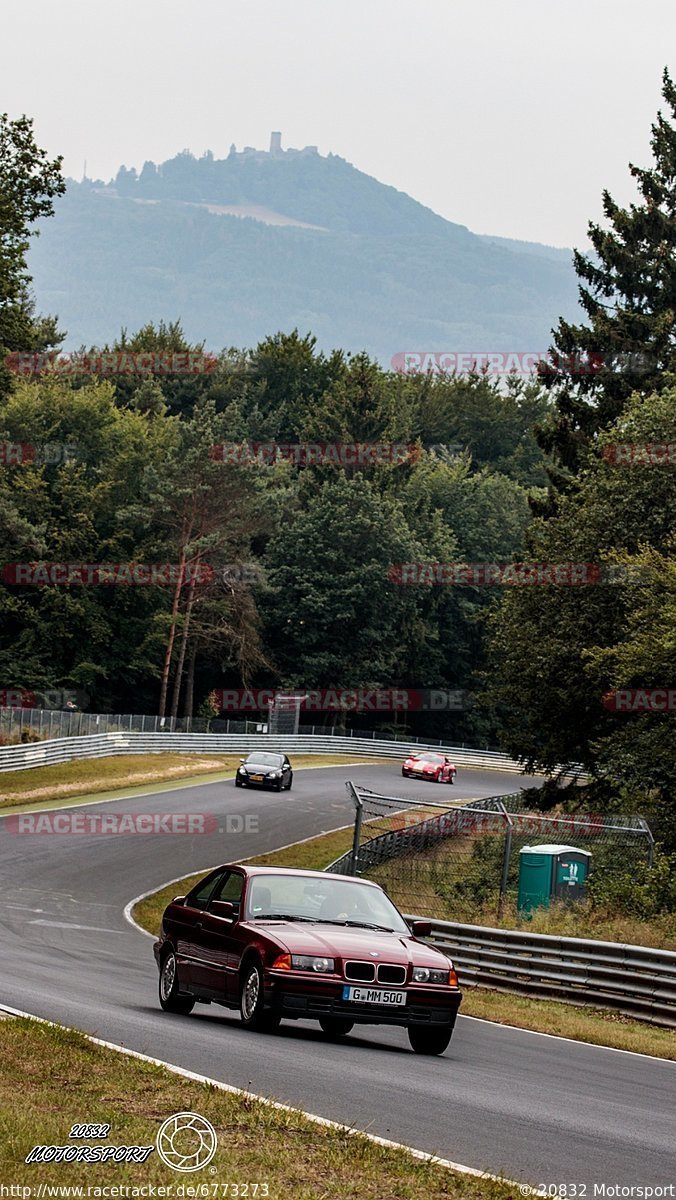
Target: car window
point(200, 895)
point(229, 888)
point(324, 899)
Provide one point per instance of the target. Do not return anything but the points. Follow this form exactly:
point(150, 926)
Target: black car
point(264, 769)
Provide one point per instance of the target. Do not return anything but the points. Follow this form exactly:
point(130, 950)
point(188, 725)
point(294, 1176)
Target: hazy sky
point(508, 116)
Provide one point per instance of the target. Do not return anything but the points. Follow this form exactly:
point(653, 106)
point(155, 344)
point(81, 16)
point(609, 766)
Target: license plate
point(362, 995)
point(257, 778)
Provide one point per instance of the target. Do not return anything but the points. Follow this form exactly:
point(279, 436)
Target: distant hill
point(241, 247)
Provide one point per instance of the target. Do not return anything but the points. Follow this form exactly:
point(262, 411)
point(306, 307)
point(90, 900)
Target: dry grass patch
point(597, 1025)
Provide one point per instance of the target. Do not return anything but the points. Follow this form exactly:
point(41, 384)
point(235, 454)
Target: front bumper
point(266, 781)
point(299, 999)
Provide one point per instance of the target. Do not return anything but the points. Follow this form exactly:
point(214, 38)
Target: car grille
point(368, 972)
point(388, 973)
point(363, 972)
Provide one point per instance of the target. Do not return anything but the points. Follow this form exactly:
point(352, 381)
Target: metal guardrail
point(635, 980)
point(60, 750)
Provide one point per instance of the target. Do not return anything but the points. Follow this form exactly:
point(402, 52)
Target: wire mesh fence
point(460, 861)
point(38, 724)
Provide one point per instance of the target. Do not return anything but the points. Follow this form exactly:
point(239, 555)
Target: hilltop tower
point(276, 144)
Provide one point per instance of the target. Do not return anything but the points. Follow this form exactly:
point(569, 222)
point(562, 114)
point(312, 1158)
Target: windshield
point(433, 758)
point(327, 901)
point(265, 760)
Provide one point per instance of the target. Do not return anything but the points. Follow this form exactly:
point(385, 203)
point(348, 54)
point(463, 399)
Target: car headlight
point(429, 975)
point(312, 962)
point(241, 771)
point(275, 774)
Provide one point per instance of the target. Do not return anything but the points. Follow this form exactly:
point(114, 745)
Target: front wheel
point(335, 1027)
point(170, 998)
point(251, 1004)
point(428, 1041)
point(288, 786)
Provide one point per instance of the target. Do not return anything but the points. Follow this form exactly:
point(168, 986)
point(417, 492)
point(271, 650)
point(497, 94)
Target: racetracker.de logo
point(497, 574)
point(118, 362)
point(48, 454)
point(49, 698)
point(641, 700)
point(69, 823)
point(641, 454)
point(45, 574)
point(342, 699)
point(515, 362)
point(315, 454)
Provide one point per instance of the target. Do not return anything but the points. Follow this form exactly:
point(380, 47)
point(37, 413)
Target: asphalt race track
point(537, 1109)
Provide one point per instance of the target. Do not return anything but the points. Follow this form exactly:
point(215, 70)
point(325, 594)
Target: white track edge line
point(421, 1155)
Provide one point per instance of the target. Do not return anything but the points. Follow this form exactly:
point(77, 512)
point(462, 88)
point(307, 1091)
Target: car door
point(215, 971)
point(187, 932)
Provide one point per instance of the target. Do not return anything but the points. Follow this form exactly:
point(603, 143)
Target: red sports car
point(278, 943)
point(426, 765)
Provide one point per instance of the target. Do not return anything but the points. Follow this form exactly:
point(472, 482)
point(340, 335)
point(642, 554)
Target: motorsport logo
point(86, 1152)
point(184, 1142)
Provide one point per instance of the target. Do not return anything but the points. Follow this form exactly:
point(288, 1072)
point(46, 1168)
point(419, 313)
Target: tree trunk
point(184, 642)
point(189, 702)
point(172, 633)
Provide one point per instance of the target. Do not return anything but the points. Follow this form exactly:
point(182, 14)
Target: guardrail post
point(359, 810)
point(651, 841)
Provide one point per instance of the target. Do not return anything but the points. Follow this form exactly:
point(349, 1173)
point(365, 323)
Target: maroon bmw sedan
point(278, 943)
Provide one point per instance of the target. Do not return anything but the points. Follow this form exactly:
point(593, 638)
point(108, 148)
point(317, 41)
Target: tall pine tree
point(628, 291)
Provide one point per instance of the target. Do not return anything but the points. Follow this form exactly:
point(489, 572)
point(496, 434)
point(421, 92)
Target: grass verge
point(64, 1079)
point(602, 1027)
point(93, 776)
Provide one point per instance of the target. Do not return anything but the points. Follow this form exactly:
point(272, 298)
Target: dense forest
point(286, 572)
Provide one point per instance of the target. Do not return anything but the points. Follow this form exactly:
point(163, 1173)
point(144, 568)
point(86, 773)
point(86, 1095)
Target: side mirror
point(421, 928)
point(178, 900)
point(222, 908)
point(242, 760)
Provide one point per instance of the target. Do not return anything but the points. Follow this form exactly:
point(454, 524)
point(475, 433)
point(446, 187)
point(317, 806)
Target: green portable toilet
point(547, 872)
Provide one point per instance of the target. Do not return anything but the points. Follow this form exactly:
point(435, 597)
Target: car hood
point(260, 768)
point(337, 941)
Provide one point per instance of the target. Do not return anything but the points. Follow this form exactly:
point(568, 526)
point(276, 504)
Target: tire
point(170, 998)
point(238, 782)
point(288, 786)
point(278, 785)
point(428, 1041)
point(251, 1009)
point(336, 1027)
